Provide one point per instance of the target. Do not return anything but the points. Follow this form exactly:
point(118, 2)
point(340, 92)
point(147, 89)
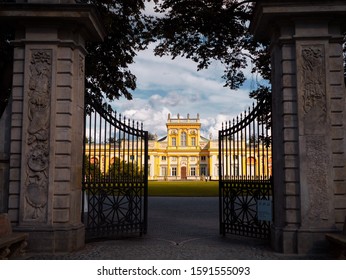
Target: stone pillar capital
point(269, 14)
point(82, 16)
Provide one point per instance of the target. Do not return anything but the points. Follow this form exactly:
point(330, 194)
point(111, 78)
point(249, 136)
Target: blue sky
point(175, 86)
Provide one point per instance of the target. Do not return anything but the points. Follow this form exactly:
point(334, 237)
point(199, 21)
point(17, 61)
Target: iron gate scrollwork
point(245, 183)
point(115, 178)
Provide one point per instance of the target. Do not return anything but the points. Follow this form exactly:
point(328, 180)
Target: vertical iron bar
point(119, 152)
point(238, 157)
point(220, 181)
point(105, 153)
point(124, 153)
point(242, 148)
point(145, 179)
point(225, 142)
point(109, 157)
point(133, 149)
point(254, 143)
point(229, 141)
point(138, 155)
point(128, 150)
point(115, 149)
point(99, 190)
point(84, 164)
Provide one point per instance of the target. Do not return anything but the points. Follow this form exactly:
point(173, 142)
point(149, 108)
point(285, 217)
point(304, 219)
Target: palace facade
point(183, 154)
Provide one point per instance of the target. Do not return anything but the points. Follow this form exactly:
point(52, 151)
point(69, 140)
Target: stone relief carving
point(81, 67)
point(317, 157)
point(313, 78)
point(38, 134)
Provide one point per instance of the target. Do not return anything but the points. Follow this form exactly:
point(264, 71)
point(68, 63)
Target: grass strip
point(183, 188)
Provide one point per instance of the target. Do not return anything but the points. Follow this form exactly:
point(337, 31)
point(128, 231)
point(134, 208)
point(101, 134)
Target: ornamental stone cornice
point(79, 15)
point(268, 12)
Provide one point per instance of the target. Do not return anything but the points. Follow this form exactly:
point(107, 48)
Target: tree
point(152, 136)
point(123, 170)
point(207, 30)
point(6, 65)
point(107, 72)
point(202, 30)
point(92, 170)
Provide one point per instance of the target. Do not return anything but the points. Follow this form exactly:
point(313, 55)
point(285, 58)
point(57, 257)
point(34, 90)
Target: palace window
point(193, 158)
point(164, 171)
point(132, 157)
point(193, 171)
point(174, 158)
point(203, 170)
point(174, 141)
point(174, 171)
point(163, 158)
point(203, 158)
point(193, 141)
point(183, 139)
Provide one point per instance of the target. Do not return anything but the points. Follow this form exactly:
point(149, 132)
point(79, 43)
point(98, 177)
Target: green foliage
point(122, 170)
point(204, 31)
point(92, 171)
point(107, 71)
point(6, 65)
point(183, 188)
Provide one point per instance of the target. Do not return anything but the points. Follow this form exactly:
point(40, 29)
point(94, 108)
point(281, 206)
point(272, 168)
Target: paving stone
point(178, 229)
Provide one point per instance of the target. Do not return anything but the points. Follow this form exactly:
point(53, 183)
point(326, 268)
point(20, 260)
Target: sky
point(166, 86)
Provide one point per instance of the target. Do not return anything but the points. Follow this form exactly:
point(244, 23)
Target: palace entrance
point(183, 173)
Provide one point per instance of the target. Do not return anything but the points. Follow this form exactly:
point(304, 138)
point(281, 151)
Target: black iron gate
point(115, 179)
point(245, 185)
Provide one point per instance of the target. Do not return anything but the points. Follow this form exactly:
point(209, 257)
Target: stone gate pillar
point(309, 119)
point(47, 120)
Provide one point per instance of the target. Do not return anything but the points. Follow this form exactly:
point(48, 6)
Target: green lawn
point(183, 188)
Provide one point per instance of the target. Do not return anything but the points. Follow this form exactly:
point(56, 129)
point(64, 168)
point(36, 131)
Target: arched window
point(183, 139)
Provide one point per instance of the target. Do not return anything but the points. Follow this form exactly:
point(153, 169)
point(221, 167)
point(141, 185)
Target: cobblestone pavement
point(178, 229)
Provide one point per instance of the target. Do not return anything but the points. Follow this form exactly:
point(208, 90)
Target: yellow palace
point(184, 154)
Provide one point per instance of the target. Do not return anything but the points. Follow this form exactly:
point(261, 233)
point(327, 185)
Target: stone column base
point(309, 241)
point(54, 239)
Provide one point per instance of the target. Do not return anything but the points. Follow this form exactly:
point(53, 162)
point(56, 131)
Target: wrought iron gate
point(245, 185)
point(115, 179)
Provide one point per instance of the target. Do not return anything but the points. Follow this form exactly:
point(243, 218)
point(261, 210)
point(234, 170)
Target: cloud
point(175, 86)
point(172, 99)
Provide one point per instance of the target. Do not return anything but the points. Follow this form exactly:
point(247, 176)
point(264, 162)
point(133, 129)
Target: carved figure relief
point(317, 156)
point(38, 134)
point(81, 67)
point(313, 78)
